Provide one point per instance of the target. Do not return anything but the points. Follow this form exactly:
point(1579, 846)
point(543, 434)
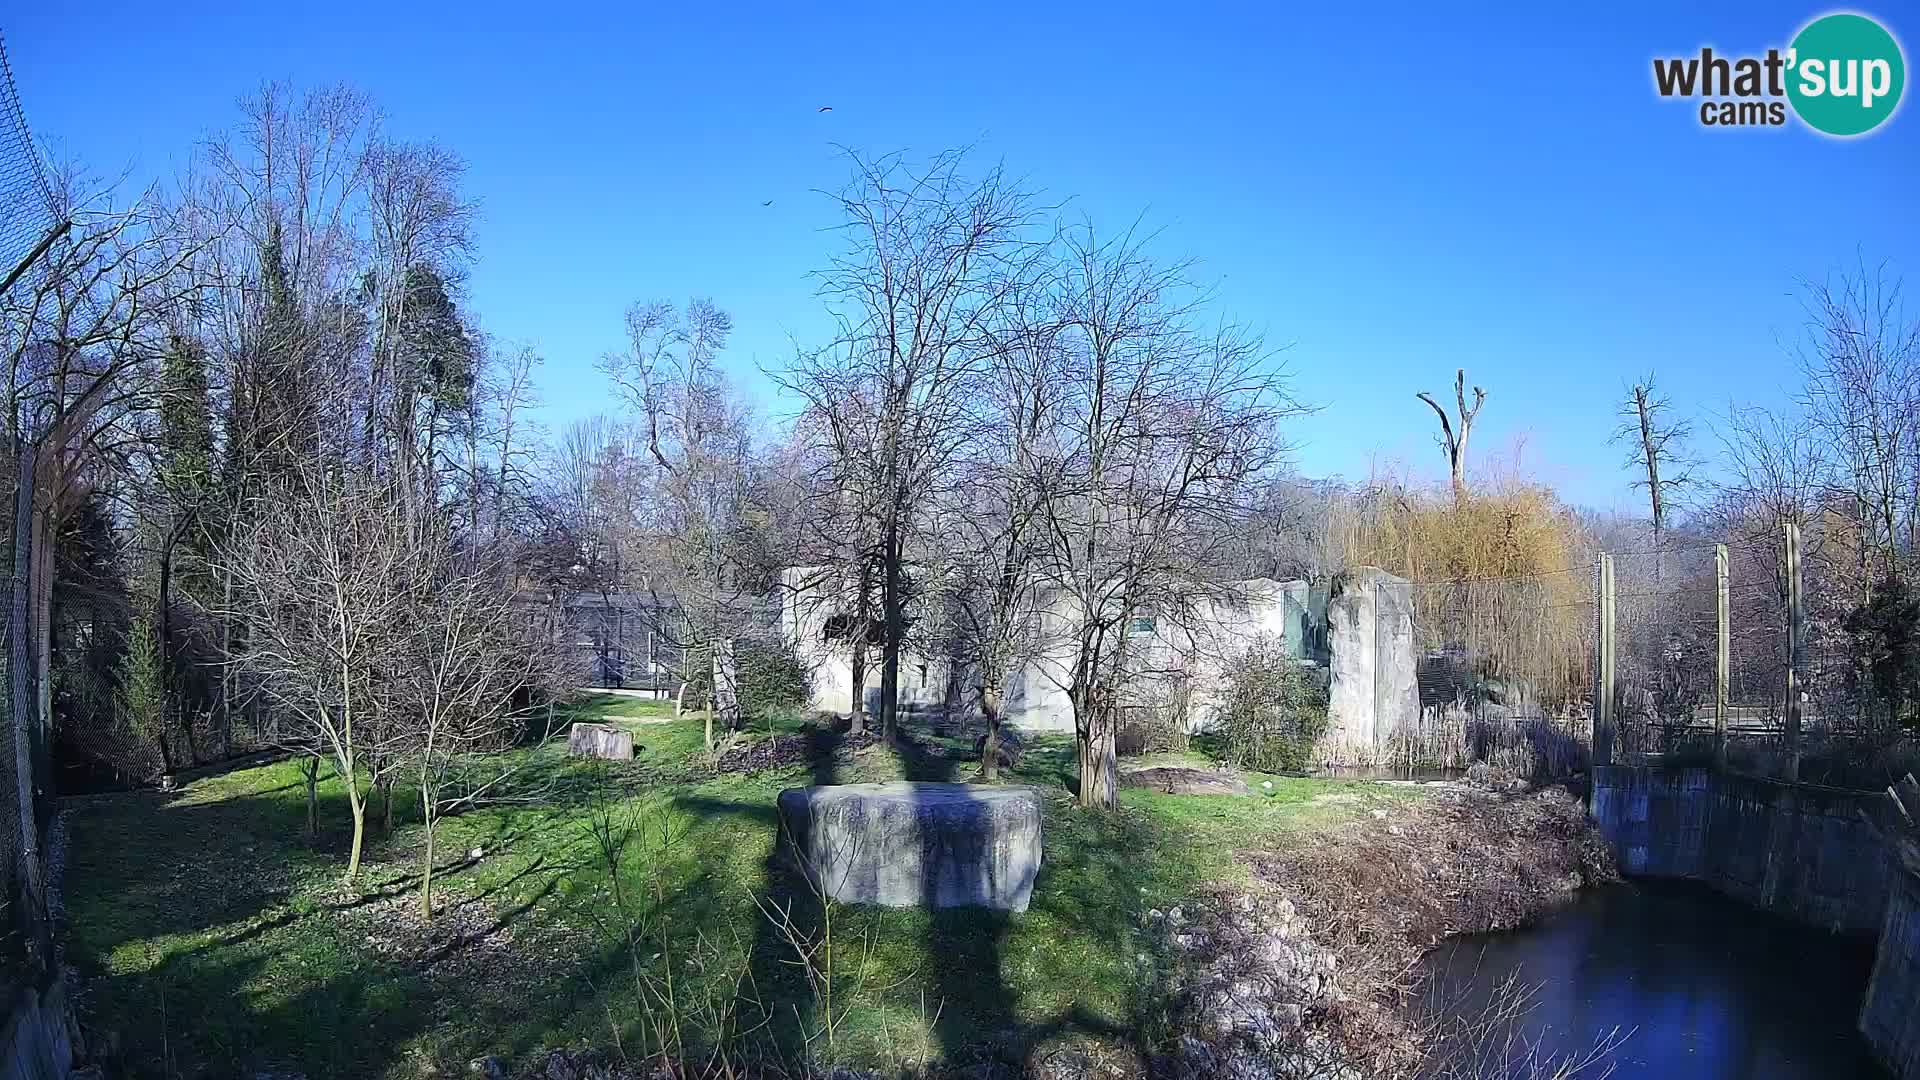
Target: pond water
point(1706, 987)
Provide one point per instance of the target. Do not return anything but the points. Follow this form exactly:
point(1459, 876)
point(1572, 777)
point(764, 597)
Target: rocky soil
point(1304, 972)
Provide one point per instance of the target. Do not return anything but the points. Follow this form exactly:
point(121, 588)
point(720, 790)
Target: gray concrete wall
point(1170, 648)
point(1374, 695)
point(1794, 849)
point(36, 1043)
point(1890, 1015)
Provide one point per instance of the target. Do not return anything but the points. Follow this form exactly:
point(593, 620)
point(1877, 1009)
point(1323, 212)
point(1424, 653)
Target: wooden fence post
point(1603, 713)
point(1796, 647)
point(1723, 654)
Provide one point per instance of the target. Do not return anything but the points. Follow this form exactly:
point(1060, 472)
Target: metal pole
point(1723, 656)
point(33, 256)
point(1603, 714)
point(21, 706)
point(1796, 647)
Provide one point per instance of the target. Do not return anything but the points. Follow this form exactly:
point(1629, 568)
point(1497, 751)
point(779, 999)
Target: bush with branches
point(769, 676)
point(1273, 712)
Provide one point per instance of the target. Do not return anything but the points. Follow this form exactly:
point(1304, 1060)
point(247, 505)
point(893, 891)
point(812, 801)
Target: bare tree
point(81, 332)
point(1657, 449)
point(1161, 428)
point(1861, 363)
point(929, 254)
point(469, 664)
point(700, 442)
point(991, 574)
point(1453, 443)
point(421, 361)
point(322, 581)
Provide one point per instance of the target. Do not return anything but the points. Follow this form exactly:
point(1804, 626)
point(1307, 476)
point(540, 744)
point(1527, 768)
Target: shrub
point(1153, 727)
point(769, 678)
point(138, 699)
point(1273, 711)
point(1884, 635)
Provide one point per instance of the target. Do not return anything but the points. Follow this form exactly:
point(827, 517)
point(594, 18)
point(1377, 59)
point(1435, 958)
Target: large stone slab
point(1183, 780)
point(905, 844)
point(601, 741)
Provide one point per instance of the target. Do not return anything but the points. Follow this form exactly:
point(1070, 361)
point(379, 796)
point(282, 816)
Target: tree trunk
point(357, 806)
point(162, 610)
point(1099, 767)
point(226, 653)
point(310, 770)
point(426, 860)
point(990, 751)
point(1098, 761)
point(892, 604)
point(712, 680)
point(726, 687)
point(386, 806)
point(857, 719)
point(20, 697)
point(43, 622)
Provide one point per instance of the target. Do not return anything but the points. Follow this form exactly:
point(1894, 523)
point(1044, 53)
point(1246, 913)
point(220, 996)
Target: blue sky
point(1393, 191)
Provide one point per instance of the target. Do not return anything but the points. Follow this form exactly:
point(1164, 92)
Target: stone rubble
point(1249, 985)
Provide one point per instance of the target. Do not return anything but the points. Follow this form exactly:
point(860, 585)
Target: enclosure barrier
point(1694, 655)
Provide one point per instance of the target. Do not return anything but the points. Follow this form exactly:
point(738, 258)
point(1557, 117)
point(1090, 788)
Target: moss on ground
point(216, 940)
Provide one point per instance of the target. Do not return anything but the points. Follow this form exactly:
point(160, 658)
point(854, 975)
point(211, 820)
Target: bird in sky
point(769, 202)
point(824, 108)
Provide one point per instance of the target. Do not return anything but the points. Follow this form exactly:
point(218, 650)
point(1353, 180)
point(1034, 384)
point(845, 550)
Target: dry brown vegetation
point(1379, 893)
point(1504, 573)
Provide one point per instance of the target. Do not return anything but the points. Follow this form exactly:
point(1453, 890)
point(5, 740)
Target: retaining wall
point(36, 1043)
point(1795, 849)
point(1890, 1016)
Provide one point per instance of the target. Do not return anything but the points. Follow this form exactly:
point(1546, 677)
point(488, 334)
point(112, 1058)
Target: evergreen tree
point(280, 411)
point(139, 699)
point(186, 422)
point(185, 462)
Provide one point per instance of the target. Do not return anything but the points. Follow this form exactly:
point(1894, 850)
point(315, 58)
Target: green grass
point(216, 941)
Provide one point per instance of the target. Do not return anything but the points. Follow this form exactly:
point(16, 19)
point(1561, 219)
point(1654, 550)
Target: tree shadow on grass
point(790, 918)
point(232, 1012)
point(973, 1014)
point(294, 994)
point(214, 940)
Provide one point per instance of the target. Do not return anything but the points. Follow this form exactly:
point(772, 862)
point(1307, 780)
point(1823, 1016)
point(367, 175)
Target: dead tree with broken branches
point(1453, 436)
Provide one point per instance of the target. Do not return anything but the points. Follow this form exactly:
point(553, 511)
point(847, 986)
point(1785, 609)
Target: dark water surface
point(1709, 988)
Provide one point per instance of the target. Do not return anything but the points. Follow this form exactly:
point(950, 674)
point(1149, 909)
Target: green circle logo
point(1845, 74)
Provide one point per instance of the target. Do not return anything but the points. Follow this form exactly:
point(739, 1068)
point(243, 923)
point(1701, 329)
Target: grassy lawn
point(215, 940)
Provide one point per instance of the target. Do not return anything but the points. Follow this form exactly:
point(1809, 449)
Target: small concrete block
point(600, 741)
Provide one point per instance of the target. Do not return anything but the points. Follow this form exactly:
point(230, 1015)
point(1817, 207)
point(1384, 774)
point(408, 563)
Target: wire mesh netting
point(14, 653)
point(1504, 671)
point(26, 219)
point(1500, 672)
point(26, 200)
point(1666, 666)
point(1667, 653)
